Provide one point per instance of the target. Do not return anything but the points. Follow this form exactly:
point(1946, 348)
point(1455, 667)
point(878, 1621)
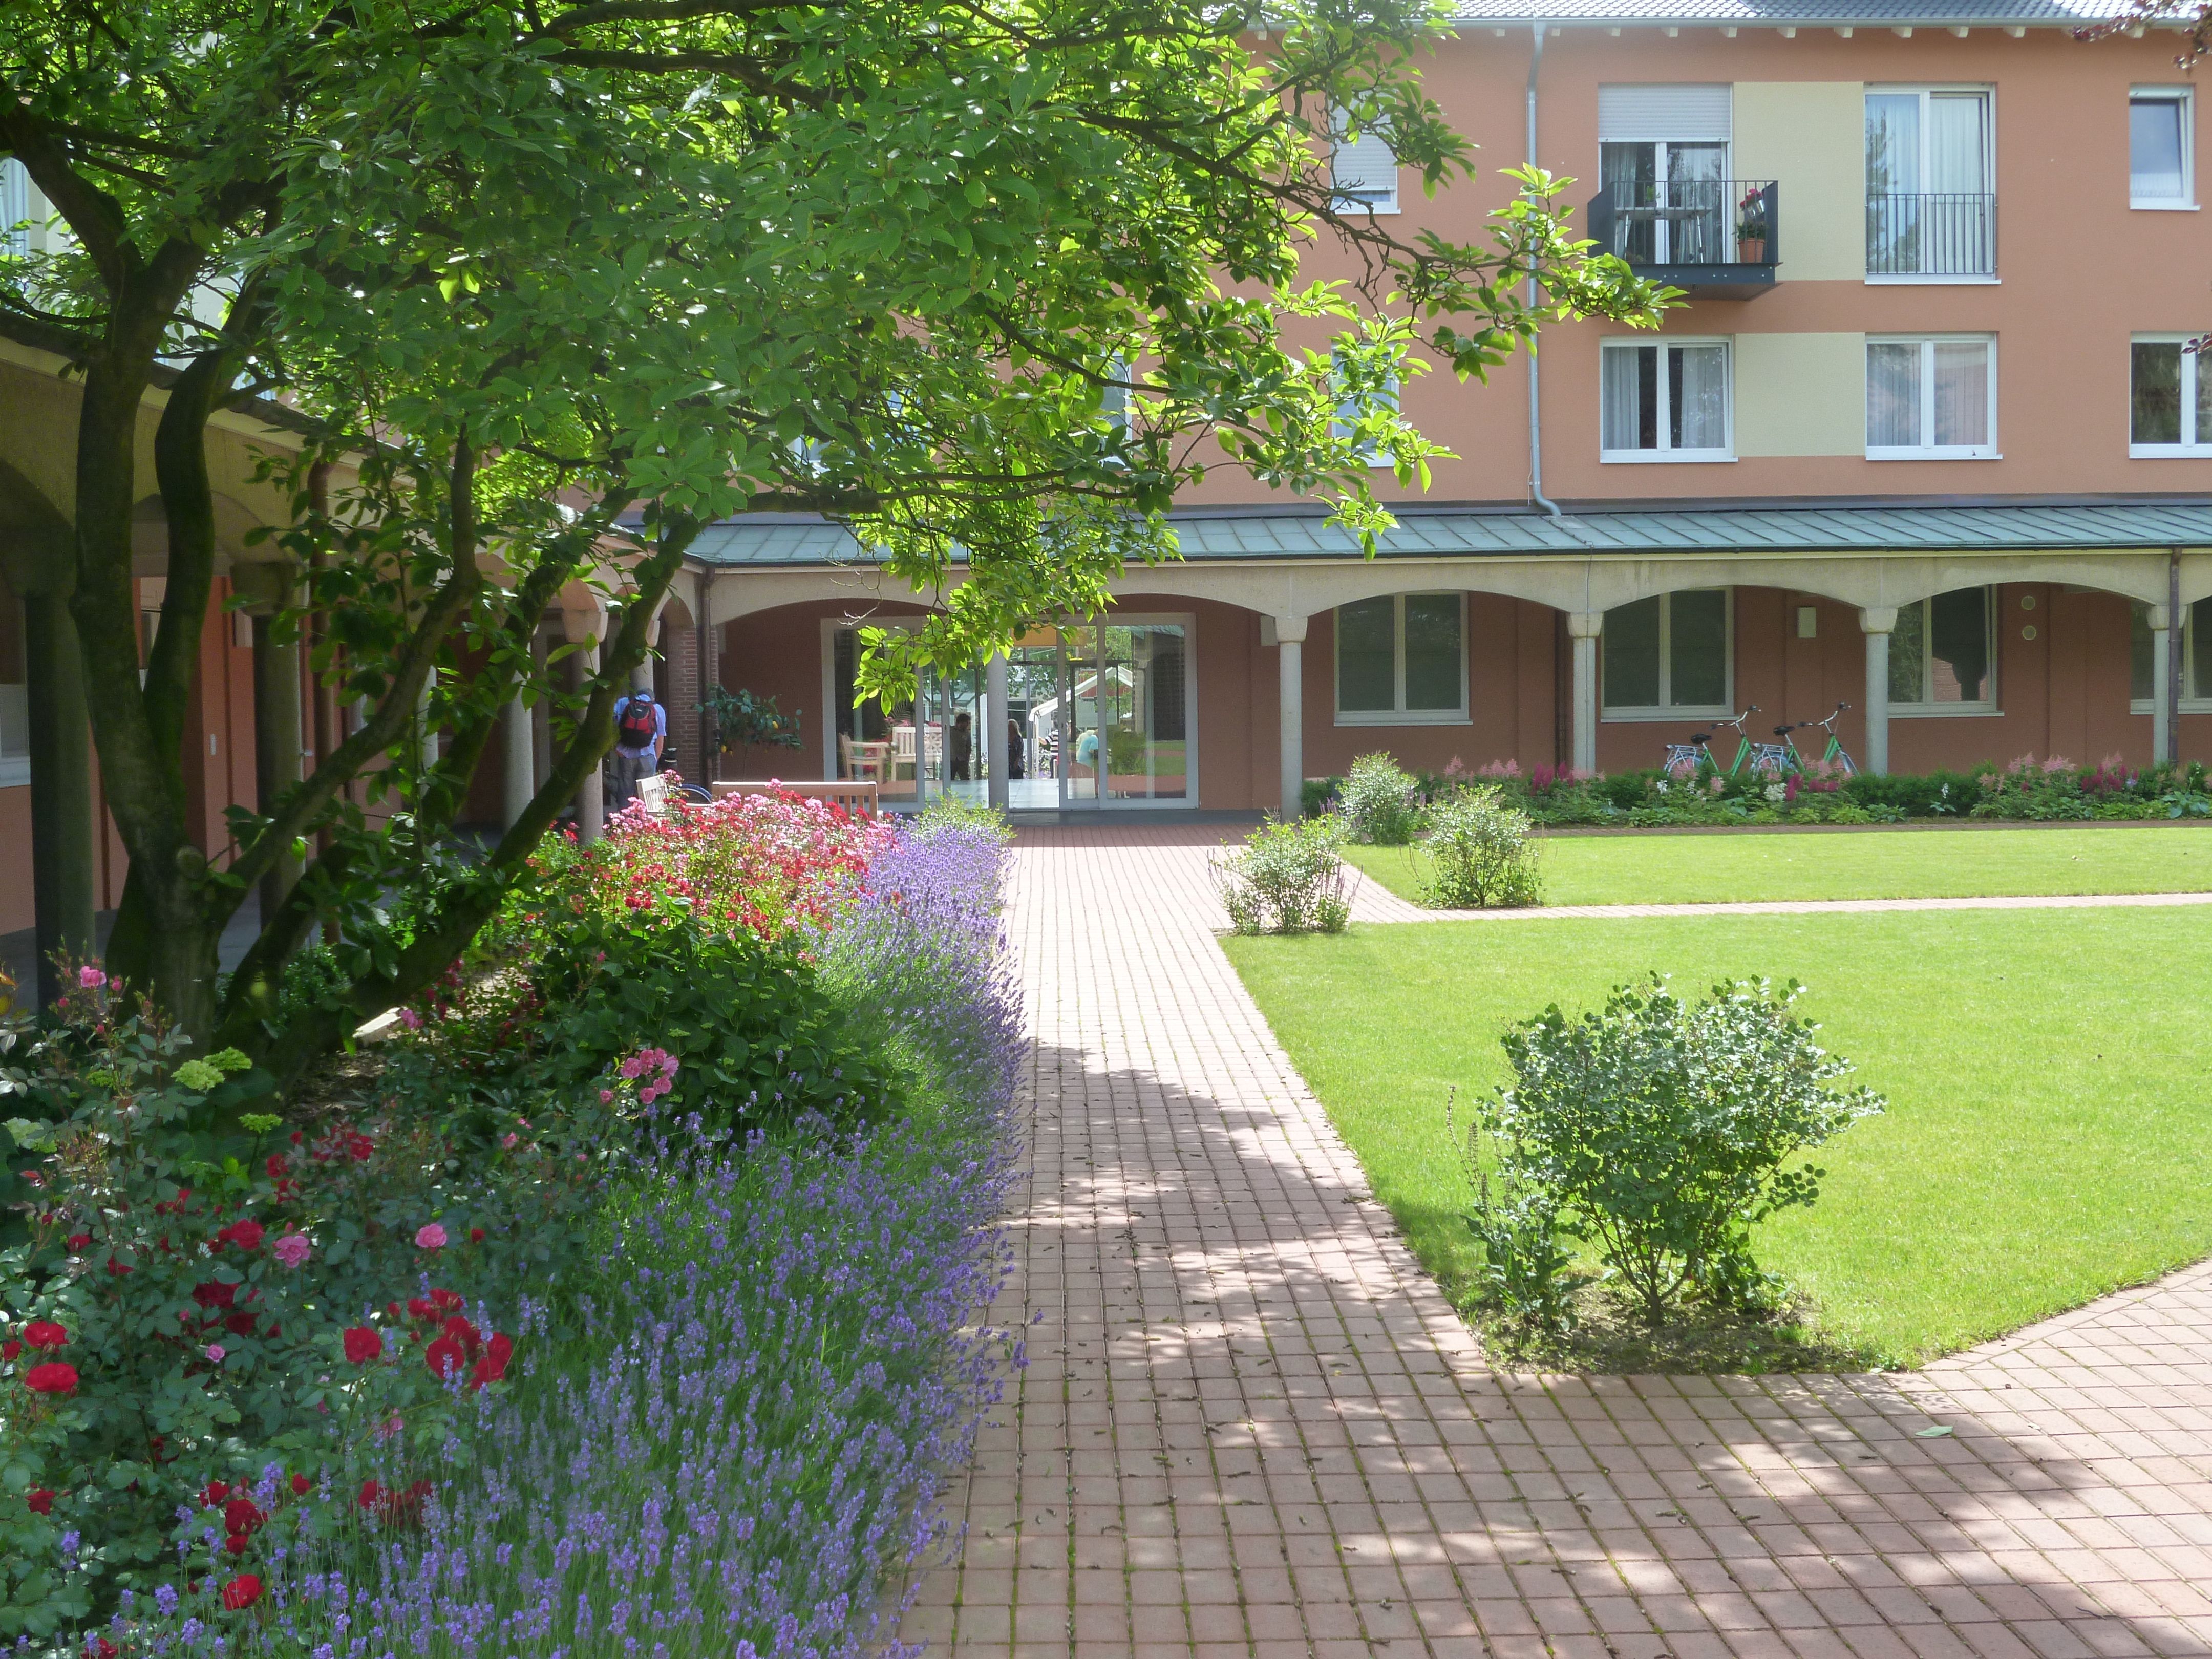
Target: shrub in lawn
point(1662, 1131)
point(1286, 878)
point(1524, 1269)
point(1379, 805)
point(1481, 852)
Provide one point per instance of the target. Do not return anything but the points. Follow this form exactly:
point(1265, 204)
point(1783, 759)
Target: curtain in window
point(1697, 649)
point(1893, 396)
point(1630, 642)
point(1432, 652)
point(1958, 646)
point(1955, 227)
point(1694, 187)
point(1892, 173)
point(2154, 392)
point(2155, 149)
point(1698, 396)
point(1962, 393)
point(1366, 670)
point(1626, 374)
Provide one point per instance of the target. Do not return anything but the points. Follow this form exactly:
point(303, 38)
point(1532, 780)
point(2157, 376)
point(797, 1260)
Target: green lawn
point(2050, 1131)
point(1702, 869)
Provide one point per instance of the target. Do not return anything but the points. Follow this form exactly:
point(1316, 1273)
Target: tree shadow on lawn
point(1253, 1308)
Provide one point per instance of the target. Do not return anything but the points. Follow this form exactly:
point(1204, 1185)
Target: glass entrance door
point(1143, 712)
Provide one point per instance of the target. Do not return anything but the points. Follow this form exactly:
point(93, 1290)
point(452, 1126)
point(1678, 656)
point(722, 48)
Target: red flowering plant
point(169, 1324)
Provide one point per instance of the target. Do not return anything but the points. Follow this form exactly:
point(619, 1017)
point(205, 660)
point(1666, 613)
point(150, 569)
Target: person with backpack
point(641, 729)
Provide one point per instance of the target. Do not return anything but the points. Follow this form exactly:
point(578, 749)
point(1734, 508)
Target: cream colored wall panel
point(1800, 394)
point(1811, 136)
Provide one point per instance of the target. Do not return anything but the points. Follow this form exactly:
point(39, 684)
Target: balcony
point(1715, 238)
point(1945, 236)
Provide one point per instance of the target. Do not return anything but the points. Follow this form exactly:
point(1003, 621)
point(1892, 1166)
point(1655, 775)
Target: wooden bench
point(856, 795)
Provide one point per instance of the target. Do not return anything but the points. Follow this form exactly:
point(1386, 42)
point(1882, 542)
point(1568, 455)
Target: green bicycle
point(1835, 756)
point(1687, 760)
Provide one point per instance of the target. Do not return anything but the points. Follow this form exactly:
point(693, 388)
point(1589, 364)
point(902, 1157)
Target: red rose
point(362, 1344)
point(370, 1492)
point(213, 1492)
point(447, 1301)
point(420, 1307)
point(236, 1543)
point(242, 1591)
point(100, 1648)
point(458, 1329)
point(492, 1368)
point(242, 1515)
point(118, 1270)
point(9, 1349)
point(45, 1335)
point(275, 1165)
point(246, 1234)
point(359, 1147)
point(78, 1242)
point(52, 1377)
point(301, 1486)
point(215, 1294)
point(444, 1357)
point(41, 1501)
point(476, 1235)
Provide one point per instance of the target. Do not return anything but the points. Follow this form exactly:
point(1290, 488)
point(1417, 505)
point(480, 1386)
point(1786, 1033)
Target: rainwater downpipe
point(1535, 393)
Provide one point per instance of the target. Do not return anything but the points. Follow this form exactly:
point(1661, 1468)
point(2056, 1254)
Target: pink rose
point(432, 1237)
point(91, 978)
point(215, 1352)
point(292, 1249)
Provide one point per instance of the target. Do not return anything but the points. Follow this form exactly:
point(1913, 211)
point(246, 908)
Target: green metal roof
point(785, 542)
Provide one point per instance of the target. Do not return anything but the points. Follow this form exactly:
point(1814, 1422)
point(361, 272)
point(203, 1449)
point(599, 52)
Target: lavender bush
point(783, 1361)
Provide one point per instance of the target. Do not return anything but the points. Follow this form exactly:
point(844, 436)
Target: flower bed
point(510, 1353)
point(2053, 789)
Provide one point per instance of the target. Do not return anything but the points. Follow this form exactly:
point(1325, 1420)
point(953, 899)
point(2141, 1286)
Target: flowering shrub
point(1380, 805)
point(765, 863)
point(1286, 878)
point(1479, 851)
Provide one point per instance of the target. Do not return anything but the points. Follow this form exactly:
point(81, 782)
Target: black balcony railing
point(1953, 234)
point(1712, 236)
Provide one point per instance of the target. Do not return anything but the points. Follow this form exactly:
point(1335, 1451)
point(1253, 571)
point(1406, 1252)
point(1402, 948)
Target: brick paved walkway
point(1251, 1427)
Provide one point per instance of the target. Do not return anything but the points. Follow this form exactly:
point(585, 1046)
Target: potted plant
point(1751, 227)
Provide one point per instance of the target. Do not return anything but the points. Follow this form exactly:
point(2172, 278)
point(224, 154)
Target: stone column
point(994, 737)
point(591, 792)
point(2161, 683)
point(1877, 623)
point(62, 830)
point(1584, 628)
point(1289, 644)
point(519, 757)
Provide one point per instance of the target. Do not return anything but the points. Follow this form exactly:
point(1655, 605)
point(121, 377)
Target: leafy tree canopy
point(555, 286)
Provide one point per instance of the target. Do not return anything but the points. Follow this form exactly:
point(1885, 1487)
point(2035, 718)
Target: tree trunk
point(62, 834)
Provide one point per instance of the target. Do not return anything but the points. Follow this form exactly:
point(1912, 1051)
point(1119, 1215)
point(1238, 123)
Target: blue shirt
point(660, 727)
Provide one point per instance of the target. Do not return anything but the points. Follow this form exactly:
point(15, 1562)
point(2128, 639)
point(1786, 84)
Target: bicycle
point(1835, 756)
point(1687, 759)
point(690, 792)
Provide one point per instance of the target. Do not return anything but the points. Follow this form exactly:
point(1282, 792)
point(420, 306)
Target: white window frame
point(1360, 201)
point(2193, 387)
point(1924, 90)
point(2189, 705)
point(1628, 714)
point(2186, 98)
point(1928, 342)
point(1398, 715)
point(1663, 455)
point(1988, 705)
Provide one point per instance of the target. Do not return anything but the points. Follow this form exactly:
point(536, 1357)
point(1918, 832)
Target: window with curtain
point(1942, 654)
point(2168, 410)
point(1350, 410)
point(1401, 659)
point(2196, 666)
point(1667, 656)
point(1664, 401)
point(1931, 201)
point(2159, 148)
point(1363, 169)
point(1931, 399)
